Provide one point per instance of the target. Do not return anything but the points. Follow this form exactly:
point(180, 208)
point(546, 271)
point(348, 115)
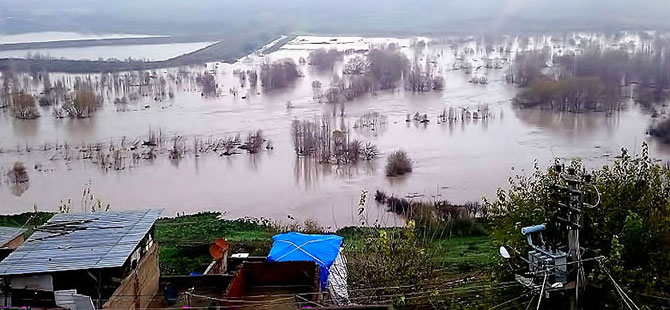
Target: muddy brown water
point(459, 161)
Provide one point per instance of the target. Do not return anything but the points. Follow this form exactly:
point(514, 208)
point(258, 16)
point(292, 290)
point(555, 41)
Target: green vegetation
point(398, 163)
point(26, 220)
point(185, 240)
point(629, 226)
point(395, 263)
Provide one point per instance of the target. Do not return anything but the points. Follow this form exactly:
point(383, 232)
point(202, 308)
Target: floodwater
point(52, 36)
point(148, 52)
point(459, 161)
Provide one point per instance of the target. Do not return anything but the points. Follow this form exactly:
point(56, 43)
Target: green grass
point(28, 220)
point(184, 241)
point(456, 253)
point(464, 252)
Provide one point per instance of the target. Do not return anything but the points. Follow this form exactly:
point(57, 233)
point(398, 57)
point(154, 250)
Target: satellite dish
point(504, 253)
point(218, 249)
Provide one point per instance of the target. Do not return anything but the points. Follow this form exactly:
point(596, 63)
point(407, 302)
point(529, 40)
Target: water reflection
point(18, 189)
point(309, 172)
point(570, 124)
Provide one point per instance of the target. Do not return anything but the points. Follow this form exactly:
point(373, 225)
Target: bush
point(24, 107)
point(18, 173)
point(84, 102)
point(398, 164)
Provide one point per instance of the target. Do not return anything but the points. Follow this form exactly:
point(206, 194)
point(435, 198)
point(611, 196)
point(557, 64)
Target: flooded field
point(460, 160)
point(148, 52)
point(51, 36)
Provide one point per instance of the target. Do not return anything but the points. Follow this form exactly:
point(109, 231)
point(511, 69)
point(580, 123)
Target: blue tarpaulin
point(293, 246)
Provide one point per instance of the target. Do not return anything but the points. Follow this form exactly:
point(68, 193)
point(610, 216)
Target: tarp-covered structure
point(321, 249)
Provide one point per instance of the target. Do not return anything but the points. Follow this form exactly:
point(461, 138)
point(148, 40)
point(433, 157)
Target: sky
point(174, 17)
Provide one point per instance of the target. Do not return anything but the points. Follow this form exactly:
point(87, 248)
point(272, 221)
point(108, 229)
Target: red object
point(218, 249)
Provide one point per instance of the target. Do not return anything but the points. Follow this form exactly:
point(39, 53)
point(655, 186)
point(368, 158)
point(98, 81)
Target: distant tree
point(356, 65)
point(208, 83)
point(252, 77)
point(325, 59)
point(279, 73)
point(387, 66)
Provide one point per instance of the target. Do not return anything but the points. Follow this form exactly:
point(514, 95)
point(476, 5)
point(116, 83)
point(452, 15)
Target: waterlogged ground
point(149, 52)
point(51, 36)
point(460, 161)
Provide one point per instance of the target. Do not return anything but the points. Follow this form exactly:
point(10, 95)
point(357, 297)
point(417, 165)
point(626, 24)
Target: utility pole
point(553, 263)
point(570, 208)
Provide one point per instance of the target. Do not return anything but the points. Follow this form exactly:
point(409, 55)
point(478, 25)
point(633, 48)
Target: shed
point(92, 253)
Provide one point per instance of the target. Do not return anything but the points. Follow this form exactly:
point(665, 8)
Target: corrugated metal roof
point(8, 234)
point(81, 241)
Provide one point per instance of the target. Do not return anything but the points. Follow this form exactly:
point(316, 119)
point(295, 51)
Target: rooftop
point(8, 234)
point(81, 241)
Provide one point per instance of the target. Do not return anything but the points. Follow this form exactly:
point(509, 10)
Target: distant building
point(79, 261)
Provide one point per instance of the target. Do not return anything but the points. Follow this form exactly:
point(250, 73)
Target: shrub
point(398, 164)
point(23, 106)
point(83, 103)
point(18, 173)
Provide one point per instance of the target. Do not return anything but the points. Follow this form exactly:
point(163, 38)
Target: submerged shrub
point(23, 106)
point(398, 164)
point(84, 102)
point(18, 173)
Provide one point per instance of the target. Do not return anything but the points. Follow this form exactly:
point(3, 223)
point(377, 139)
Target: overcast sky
point(346, 16)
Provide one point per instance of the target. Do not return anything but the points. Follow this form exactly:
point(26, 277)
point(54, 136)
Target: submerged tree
point(208, 83)
point(325, 59)
point(387, 66)
point(279, 73)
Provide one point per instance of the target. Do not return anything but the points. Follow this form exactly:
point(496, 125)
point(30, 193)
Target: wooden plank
point(139, 288)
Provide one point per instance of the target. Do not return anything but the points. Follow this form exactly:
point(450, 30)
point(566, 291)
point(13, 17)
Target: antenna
point(504, 253)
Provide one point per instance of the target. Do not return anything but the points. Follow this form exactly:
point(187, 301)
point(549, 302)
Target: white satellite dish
point(504, 253)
